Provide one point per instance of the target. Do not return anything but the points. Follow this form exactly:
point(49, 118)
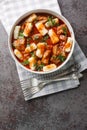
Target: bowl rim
point(61, 17)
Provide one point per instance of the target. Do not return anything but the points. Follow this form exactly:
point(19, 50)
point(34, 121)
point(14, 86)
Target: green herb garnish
point(61, 58)
point(35, 21)
point(39, 67)
point(64, 30)
point(45, 38)
point(20, 37)
point(26, 62)
point(54, 57)
point(21, 34)
point(49, 18)
point(32, 54)
point(52, 22)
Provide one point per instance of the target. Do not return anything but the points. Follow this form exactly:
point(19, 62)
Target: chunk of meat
point(41, 45)
point(43, 21)
point(60, 29)
point(47, 54)
point(61, 26)
point(23, 26)
point(42, 18)
point(63, 38)
point(21, 41)
point(39, 62)
point(55, 60)
point(46, 57)
point(45, 60)
point(19, 44)
point(26, 55)
point(49, 47)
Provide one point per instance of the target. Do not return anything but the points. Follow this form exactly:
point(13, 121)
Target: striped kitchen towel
point(10, 11)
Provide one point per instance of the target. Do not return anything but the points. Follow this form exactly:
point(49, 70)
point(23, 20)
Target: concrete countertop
point(61, 111)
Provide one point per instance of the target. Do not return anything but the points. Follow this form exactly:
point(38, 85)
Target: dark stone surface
point(62, 111)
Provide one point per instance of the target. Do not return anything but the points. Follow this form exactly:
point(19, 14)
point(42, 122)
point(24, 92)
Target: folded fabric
point(10, 12)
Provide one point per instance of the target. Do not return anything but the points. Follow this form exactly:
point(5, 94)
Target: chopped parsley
point(64, 30)
point(26, 62)
point(45, 38)
point(21, 34)
point(49, 18)
point(32, 54)
point(20, 37)
point(54, 57)
point(39, 67)
point(52, 22)
point(35, 21)
point(61, 58)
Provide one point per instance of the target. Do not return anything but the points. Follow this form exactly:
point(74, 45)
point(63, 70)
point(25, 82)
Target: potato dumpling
point(18, 54)
point(68, 45)
point(49, 67)
point(31, 47)
point(31, 18)
point(27, 29)
point(32, 62)
point(41, 28)
point(53, 36)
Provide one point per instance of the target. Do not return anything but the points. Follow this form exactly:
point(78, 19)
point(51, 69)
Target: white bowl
point(49, 12)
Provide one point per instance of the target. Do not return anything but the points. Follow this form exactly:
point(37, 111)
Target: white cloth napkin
point(10, 11)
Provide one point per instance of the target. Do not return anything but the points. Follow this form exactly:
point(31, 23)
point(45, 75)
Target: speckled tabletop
point(61, 111)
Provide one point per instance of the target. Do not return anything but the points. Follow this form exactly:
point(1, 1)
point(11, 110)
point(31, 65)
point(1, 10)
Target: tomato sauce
point(29, 52)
